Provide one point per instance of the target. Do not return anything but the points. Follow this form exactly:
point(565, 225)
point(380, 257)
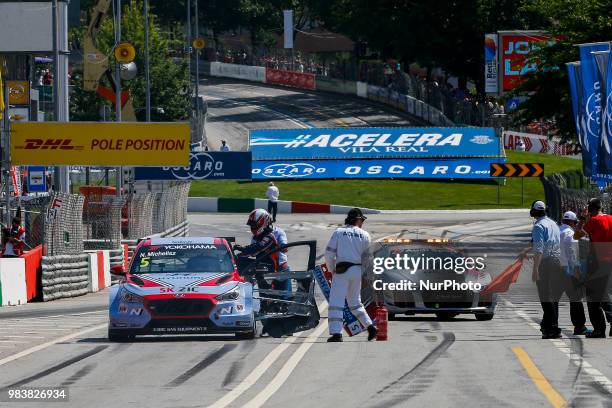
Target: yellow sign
point(19, 92)
point(125, 53)
point(100, 144)
point(198, 43)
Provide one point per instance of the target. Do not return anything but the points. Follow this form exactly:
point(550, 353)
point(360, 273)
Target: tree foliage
point(169, 76)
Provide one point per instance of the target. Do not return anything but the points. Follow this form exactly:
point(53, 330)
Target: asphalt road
point(235, 107)
point(425, 362)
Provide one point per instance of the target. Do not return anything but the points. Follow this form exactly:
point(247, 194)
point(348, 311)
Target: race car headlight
point(129, 297)
point(230, 295)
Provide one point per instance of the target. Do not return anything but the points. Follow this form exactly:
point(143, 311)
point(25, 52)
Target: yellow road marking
point(555, 399)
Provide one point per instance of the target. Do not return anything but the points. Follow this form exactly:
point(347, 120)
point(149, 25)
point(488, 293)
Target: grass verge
point(402, 194)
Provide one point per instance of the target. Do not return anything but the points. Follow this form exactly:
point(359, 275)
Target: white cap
point(570, 215)
point(539, 205)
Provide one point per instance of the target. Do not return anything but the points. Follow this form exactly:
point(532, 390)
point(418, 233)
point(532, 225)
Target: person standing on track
point(343, 256)
point(272, 193)
point(224, 146)
point(572, 282)
point(547, 272)
point(598, 226)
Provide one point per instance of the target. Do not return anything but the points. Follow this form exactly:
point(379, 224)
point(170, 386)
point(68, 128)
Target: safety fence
point(76, 234)
point(571, 191)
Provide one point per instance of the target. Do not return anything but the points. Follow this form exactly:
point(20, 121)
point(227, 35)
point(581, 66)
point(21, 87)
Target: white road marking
point(50, 343)
point(26, 337)
point(565, 348)
point(286, 370)
point(260, 370)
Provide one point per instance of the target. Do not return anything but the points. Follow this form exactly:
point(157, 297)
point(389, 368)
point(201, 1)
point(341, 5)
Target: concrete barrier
point(246, 72)
point(12, 282)
point(245, 205)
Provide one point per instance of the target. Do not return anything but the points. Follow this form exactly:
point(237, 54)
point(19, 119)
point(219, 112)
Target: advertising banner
point(246, 72)
point(288, 28)
point(37, 180)
point(604, 159)
point(537, 143)
point(289, 78)
point(591, 97)
point(100, 144)
point(516, 50)
point(373, 143)
point(374, 169)
point(203, 166)
point(491, 57)
point(576, 93)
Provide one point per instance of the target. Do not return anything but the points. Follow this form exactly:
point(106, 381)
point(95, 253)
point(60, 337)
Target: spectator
point(272, 193)
point(224, 146)
point(13, 239)
point(598, 226)
point(520, 146)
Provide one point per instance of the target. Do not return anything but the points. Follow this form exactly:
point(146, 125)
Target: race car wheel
point(248, 335)
point(446, 315)
point(119, 336)
point(482, 317)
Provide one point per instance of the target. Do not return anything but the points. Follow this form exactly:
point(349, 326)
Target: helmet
point(259, 220)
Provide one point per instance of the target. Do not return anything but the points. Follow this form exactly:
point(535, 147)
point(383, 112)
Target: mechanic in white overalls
point(343, 256)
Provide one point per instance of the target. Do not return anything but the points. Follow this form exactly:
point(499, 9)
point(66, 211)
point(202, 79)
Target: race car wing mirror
point(118, 270)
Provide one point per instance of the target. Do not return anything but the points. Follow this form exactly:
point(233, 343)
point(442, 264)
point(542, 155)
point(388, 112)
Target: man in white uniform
point(272, 194)
point(343, 256)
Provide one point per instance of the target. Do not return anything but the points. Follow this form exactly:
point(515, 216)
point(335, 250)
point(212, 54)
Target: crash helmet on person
point(260, 222)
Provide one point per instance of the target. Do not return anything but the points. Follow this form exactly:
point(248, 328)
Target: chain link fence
point(102, 220)
point(64, 224)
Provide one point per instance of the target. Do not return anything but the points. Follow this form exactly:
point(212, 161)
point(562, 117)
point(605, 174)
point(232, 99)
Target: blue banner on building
point(576, 93)
point(592, 97)
point(203, 166)
point(472, 168)
point(373, 143)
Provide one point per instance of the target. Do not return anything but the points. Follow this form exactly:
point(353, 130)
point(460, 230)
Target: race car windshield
point(184, 258)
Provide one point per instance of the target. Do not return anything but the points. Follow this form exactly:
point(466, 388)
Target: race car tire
point(446, 315)
point(249, 335)
point(482, 317)
point(119, 336)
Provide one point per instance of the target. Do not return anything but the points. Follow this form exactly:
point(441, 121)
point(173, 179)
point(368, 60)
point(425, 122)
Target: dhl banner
point(100, 144)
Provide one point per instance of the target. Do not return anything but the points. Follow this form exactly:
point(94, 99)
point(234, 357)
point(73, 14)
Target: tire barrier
point(65, 276)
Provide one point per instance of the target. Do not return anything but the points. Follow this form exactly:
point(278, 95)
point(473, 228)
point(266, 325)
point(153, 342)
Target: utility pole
point(197, 70)
point(6, 159)
point(189, 44)
point(60, 80)
point(146, 61)
point(119, 170)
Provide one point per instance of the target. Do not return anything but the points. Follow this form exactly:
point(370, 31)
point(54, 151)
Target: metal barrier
point(570, 191)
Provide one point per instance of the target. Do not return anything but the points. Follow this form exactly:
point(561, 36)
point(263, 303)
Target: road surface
point(235, 107)
point(426, 362)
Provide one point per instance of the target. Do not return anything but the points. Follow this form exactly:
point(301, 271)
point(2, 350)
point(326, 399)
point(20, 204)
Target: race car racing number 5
point(145, 261)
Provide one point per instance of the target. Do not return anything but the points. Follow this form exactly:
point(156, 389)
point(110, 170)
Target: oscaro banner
point(203, 166)
point(490, 52)
point(100, 144)
point(387, 168)
point(373, 143)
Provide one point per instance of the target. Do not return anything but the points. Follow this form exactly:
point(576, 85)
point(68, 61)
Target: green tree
point(573, 22)
point(169, 76)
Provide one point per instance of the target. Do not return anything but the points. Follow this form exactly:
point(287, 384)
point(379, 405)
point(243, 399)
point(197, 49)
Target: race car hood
point(201, 282)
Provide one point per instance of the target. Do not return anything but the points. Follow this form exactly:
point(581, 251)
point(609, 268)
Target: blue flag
point(576, 92)
point(604, 158)
point(592, 96)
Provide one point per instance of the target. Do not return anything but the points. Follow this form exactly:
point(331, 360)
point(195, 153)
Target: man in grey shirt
point(547, 273)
